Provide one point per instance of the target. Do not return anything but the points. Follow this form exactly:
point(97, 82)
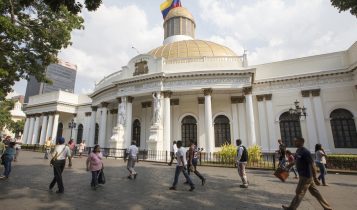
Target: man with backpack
point(242, 159)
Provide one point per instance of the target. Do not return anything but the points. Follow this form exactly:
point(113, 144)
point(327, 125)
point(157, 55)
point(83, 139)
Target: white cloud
point(276, 29)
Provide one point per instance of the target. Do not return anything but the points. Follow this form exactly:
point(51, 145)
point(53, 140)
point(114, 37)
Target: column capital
point(201, 100)
point(167, 94)
point(130, 99)
point(305, 93)
point(104, 104)
point(247, 90)
point(174, 102)
point(94, 108)
point(315, 92)
point(87, 114)
point(119, 100)
point(268, 97)
point(237, 99)
point(207, 91)
point(146, 104)
point(114, 111)
point(260, 97)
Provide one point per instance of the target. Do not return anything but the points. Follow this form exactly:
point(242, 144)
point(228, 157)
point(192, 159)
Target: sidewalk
point(27, 188)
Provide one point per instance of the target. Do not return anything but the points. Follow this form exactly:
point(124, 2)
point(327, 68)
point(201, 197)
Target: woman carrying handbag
point(95, 165)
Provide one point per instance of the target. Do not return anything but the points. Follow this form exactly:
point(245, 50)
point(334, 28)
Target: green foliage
point(228, 152)
point(345, 5)
point(31, 36)
point(254, 153)
point(17, 127)
point(344, 162)
point(5, 116)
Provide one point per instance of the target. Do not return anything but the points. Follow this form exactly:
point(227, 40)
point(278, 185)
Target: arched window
point(96, 134)
point(222, 130)
point(188, 130)
point(343, 129)
point(136, 132)
point(289, 128)
point(59, 130)
point(79, 133)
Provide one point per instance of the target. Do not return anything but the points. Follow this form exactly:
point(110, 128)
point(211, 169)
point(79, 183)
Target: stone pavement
point(27, 188)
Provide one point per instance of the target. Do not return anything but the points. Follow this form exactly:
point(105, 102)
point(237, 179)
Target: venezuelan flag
point(168, 5)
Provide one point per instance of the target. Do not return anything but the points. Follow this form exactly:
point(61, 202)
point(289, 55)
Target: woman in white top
point(60, 153)
point(320, 159)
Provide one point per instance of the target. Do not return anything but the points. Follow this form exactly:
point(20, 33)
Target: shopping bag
point(281, 174)
point(101, 177)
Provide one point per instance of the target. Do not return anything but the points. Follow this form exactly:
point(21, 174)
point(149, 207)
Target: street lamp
point(72, 125)
point(298, 111)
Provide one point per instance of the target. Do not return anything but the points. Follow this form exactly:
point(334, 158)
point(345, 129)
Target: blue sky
point(271, 30)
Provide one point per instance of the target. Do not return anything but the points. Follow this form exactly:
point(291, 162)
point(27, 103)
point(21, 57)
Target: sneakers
point(129, 177)
point(59, 192)
point(135, 176)
point(192, 188)
point(172, 188)
point(243, 186)
point(3, 177)
point(203, 181)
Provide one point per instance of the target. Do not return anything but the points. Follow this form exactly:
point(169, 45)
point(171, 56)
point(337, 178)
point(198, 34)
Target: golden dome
point(179, 12)
point(191, 49)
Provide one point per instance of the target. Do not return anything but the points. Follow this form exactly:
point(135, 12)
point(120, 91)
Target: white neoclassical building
point(190, 89)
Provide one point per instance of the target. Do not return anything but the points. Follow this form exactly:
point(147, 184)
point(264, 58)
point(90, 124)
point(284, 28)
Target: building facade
point(62, 75)
point(190, 89)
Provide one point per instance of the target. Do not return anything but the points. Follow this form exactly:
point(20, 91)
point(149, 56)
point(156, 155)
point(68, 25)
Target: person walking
point(132, 153)
point(181, 167)
point(291, 159)
point(48, 145)
point(72, 147)
point(60, 154)
point(193, 160)
point(173, 152)
point(95, 165)
point(307, 177)
point(82, 147)
point(8, 157)
point(242, 160)
point(281, 153)
point(320, 159)
point(17, 149)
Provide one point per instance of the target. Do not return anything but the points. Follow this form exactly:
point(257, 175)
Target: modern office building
point(63, 76)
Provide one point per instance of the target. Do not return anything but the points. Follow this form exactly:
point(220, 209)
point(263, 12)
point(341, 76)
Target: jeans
point(304, 185)
point(57, 172)
point(95, 175)
point(178, 170)
point(7, 166)
point(294, 170)
point(322, 172)
point(282, 162)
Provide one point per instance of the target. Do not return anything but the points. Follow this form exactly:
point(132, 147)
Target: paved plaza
point(27, 188)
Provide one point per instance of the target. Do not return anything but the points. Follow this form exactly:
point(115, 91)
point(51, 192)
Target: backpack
point(244, 157)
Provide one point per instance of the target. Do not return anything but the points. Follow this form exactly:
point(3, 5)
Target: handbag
point(101, 177)
point(54, 158)
point(281, 174)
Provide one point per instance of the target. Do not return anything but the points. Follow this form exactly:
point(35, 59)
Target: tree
point(5, 116)
point(31, 35)
point(344, 5)
point(71, 5)
point(17, 127)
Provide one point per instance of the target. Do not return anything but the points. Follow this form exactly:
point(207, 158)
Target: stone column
point(36, 129)
point(74, 131)
point(250, 115)
point(43, 129)
point(103, 125)
point(310, 121)
point(148, 123)
point(143, 125)
point(235, 125)
point(109, 126)
point(129, 121)
point(26, 130)
point(30, 133)
point(49, 126)
point(55, 127)
point(264, 137)
point(174, 122)
point(320, 119)
point(167, 120)
point(86, 127)
point(209, 131)
point(242, 120)
point(92, 126)
point(271, 123)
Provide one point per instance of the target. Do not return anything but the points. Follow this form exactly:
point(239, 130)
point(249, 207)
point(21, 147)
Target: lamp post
point(72, 125)
point(298, 111)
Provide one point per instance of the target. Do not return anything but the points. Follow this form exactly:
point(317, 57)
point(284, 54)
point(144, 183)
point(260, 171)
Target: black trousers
point(57, 172)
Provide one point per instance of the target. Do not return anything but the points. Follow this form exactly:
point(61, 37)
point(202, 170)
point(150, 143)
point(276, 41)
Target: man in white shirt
point(242, 159)
point(132, 153)
point(181, 167)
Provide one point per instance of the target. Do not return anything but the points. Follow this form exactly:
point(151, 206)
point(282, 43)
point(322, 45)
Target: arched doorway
point(136, 132)
point(188, 130)
point(59, 130)
point(222, 130)
point(79, 133)
point(343, 129)
point(289, 128)
point(96, 134)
